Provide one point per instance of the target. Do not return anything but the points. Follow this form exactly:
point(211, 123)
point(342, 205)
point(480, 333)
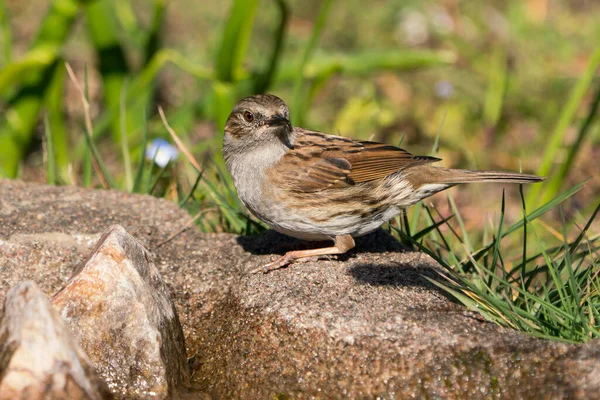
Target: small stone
point(39, 359)
point(119, 308)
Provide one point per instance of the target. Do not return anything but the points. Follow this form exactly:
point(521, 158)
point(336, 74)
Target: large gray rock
point(371, 326)
point(120, 311)
point(39, 359)
point(368, 325)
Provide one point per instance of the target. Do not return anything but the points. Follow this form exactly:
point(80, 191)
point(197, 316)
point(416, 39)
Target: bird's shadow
point(272, 242)
point(401, 275)
point(391, 274)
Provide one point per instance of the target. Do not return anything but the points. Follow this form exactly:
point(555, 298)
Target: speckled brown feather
point(319, 161)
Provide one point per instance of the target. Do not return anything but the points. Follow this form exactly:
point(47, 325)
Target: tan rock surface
point(366, 326)
point(39, 358)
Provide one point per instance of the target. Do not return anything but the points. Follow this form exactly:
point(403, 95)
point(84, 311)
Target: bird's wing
point(377, 160)
point(319, 161)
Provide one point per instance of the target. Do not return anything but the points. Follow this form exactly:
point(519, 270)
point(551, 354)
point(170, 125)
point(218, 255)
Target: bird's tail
point(453, 177)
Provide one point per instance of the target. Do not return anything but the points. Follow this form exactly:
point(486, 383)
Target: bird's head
point(257, 121)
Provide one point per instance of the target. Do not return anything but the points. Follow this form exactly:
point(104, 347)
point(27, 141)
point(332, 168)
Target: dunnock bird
point(315, 186)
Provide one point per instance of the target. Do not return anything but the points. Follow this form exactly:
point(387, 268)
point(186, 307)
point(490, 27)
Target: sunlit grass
point(552, 294)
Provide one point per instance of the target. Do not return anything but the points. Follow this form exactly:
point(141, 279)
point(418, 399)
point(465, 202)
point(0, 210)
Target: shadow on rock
point(272, 242)
point(398, 275)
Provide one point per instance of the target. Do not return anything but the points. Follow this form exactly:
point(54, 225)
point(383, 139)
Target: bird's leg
point(342, 244)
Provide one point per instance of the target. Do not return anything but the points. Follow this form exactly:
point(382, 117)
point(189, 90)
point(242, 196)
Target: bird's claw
point(279, 263)
point(284, 261)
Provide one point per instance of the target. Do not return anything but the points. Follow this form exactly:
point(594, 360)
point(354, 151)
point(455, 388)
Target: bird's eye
point(248, 116)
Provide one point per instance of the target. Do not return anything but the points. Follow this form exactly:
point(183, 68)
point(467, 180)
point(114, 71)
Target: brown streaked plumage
point(315, 186)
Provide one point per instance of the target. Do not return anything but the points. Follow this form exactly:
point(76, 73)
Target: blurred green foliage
point(34, 83)
point(495, 73)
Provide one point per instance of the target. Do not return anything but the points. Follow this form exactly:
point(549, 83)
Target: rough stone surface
point(368, 325)
point(119, 308)
point(38, 357)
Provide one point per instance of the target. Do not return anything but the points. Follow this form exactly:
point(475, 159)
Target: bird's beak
point(283, 128)
point(278, 120)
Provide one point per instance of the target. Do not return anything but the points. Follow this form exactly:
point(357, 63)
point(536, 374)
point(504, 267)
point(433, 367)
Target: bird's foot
point(284, 262)
point(342, 245)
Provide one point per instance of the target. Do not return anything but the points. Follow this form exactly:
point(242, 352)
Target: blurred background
point(505, 84)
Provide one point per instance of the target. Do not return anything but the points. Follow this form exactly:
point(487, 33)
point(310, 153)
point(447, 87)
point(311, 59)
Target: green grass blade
point(438, 236)
point(87, 168)
point(103, 30)
point(148, 173)
point(264, 80)
point(125, 14)
point(5, 35)
point(496, 250)
point(157, 178)
point(416, 214)
point(36, 67)
point(54, 102)
point(435, 148)
point(461, 223)
point(585, 230)
point(542, 301)
point(424, 232)
point(298, 104)
point(234, 42)
point(228, 65)
point(104, 174)
point(558, 283)
point(557, 137)
point(227, 183)
point(139, 174)
point(153, 40)
point(34, 62)
point(50, 156)
point(531, 217)
point(224, 100)
point(141, 81)
point(531, 259)
point(497, 78)
point(574, 291)
point(364, 63)
point(192, 190)
point(556, 181)
point(125, 141)
point(234, 216)
point(435, 234)
point(502, 310)
point(17, 123)
point(45, 50)
point(317, 84)
point(525, 223)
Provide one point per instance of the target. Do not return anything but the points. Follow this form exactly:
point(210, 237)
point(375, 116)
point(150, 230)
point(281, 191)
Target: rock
point(367, 325)
point(38, 357)
point(119, 308)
